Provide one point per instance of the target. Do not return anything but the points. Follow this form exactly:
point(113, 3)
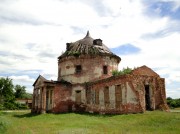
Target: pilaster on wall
point(39, 100)
point(36, 100)
point(43, 110)
point(163, 92)
point(160, 92)
point(163, 105)
point(40, 97)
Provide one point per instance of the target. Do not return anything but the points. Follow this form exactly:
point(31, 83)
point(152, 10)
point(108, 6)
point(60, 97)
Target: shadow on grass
point(27, 115)
point(95, 114)
point(85, 114)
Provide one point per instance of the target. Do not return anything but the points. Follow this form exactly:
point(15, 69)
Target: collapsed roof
point(87, 45)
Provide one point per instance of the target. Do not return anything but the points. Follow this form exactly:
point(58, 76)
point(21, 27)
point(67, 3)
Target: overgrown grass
point(150, 122)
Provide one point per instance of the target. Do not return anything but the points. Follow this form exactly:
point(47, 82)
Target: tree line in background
point(9, 93)
point(173, 103)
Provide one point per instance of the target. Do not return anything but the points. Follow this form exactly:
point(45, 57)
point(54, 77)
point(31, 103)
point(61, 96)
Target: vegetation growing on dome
point(122, 72)
point(93, 50)
point(72, 53)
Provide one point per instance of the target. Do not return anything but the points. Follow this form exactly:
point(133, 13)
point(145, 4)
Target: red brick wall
point(62, 98)
point(137, 85)
point(92, 68)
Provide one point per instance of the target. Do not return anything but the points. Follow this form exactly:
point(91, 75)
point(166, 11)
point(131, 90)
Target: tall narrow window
point(93, 96)
point(47, 100)
point(106, 96)
point(39, 99)
point(78, 68)
point(118, 95)
point(88, 95)
point(78, 97)
point(105, 70)
point(97, 97)
point(51, 93)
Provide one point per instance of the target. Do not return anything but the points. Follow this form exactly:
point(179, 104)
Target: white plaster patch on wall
point(98, 71)
point(67, 68)
point(112, 96)
point(131, 96)
point(79, 79)
point(101, 97)
point(74, 79)
point(78, 88)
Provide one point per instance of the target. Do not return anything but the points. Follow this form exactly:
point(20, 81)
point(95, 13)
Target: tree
point(7, 98)
point(123, 72)
point(173, 103)
point(28, 96)
point(169, 98)
point(20, 91)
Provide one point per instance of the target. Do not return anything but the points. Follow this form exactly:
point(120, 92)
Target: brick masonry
point(85, 84)
point(112, 95)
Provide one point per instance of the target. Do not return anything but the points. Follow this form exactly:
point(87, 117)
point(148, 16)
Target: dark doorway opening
point(78, 97)
point(105, 70)
point(147, 98)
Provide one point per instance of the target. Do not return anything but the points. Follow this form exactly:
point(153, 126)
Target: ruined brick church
point(85, 84)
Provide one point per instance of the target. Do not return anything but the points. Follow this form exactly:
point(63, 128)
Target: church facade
point(85, 84)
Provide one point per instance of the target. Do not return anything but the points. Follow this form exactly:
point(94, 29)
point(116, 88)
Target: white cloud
point(174, 93)
point(24, 78)
point(33, 35)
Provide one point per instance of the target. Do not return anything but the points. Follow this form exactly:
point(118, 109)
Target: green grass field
point(155, 122)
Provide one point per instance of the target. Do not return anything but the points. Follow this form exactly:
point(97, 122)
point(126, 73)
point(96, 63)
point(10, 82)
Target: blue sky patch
point(162, 9)
point(125, 49)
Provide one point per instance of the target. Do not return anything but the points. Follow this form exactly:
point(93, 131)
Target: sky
point(33, 33)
